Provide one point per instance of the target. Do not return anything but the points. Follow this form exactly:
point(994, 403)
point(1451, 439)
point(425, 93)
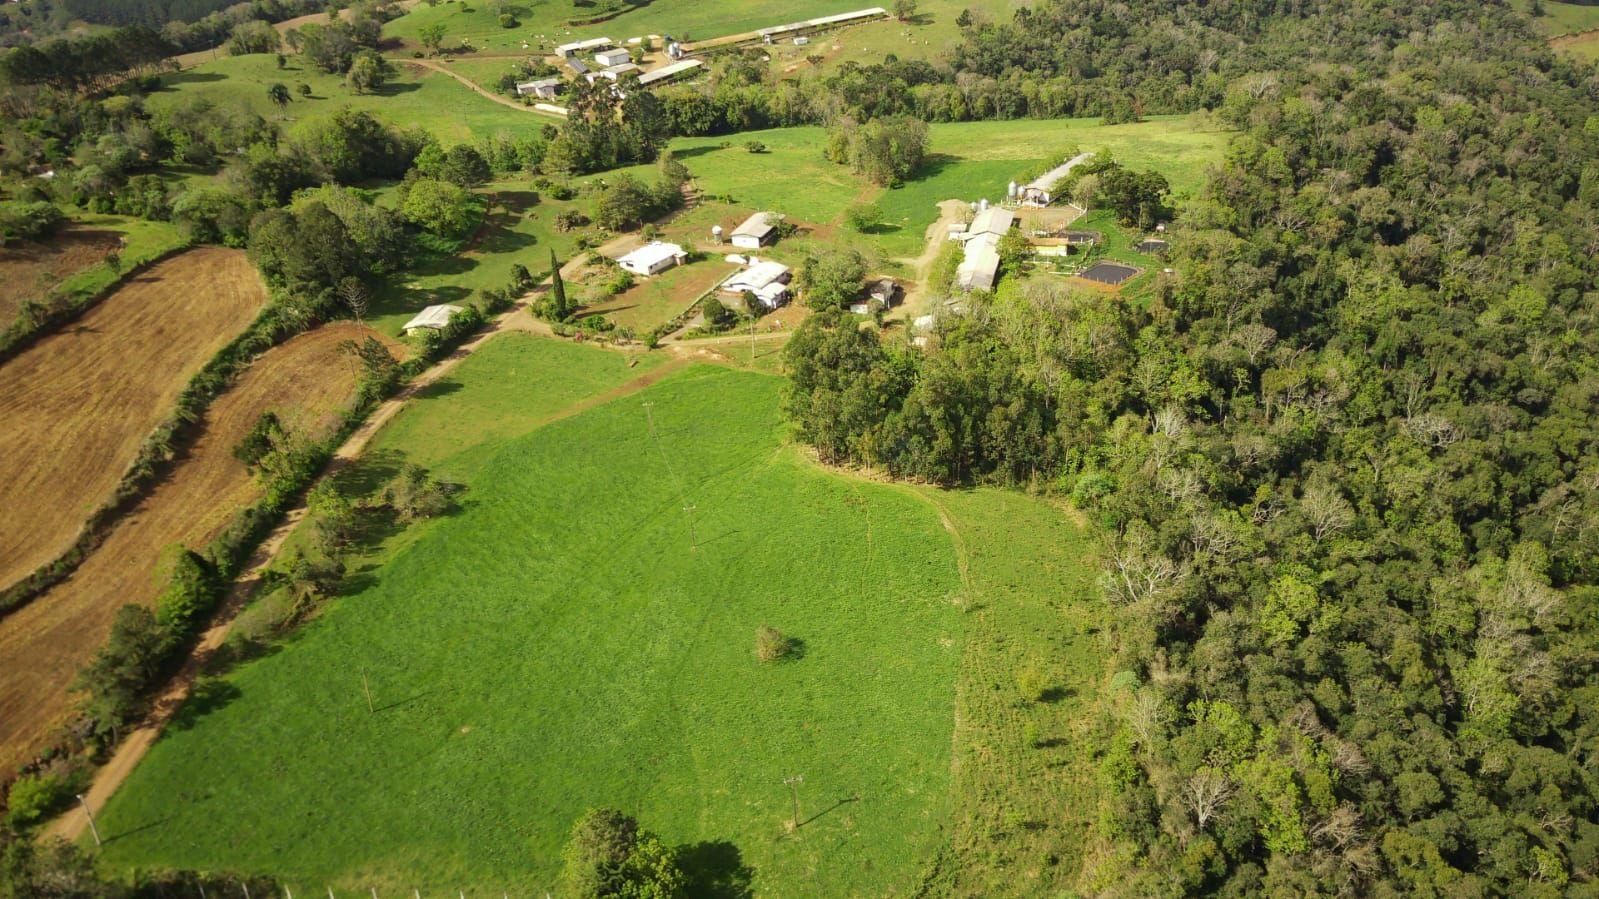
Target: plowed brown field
point(77, 404)
point(43, 645)
point(28, 269)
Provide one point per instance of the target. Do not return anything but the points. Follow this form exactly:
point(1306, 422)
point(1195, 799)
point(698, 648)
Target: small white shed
point(653, 258)
point(433, 318)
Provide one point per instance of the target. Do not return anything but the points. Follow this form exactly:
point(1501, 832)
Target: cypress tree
point(558, 308)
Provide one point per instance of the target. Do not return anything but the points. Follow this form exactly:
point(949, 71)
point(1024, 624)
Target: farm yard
point(79, 402)
point(44, 643)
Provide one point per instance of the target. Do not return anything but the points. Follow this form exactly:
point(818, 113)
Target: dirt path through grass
point(133, 748)
point(434, 66)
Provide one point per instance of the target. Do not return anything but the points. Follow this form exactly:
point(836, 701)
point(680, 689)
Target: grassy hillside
point(543, 24)
point(1562, 18)
point(969, 160)
point(557, 645)
point(415, 98)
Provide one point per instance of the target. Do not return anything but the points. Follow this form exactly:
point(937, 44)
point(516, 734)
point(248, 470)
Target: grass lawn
point(969, 160)
point(556, 645)
point(516, 230)
point(1584, 46)
point(654, 300)
point(414, 98)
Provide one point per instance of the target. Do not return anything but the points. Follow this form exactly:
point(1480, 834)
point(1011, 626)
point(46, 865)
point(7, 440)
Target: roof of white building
point(593, 43)
point(669, 71)
point(650, 255)
point(432, 317)
point(756, 277)
point(824, 21)
point(981, 265)
point(758, 226)
point(994, 220)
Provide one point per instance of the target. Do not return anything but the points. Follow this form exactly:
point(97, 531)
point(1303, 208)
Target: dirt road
point(436, 66)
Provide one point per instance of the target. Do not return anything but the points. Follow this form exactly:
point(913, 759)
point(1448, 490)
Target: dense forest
point(1346, 458)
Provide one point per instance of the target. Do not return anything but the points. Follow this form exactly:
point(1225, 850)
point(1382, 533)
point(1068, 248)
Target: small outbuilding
point(608, 58)
point(879, 294)
point(653, 258)
point(755, 232)
point(767, 280)
point(614, 73)
point(543, 88)
point(432, 318)
point(577, 48)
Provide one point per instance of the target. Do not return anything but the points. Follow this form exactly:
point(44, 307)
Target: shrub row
point(271, 327)
point(36, 320)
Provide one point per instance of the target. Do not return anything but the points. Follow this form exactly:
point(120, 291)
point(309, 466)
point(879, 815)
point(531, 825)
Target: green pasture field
point(556, 645)
point(543, 24)
point(1562, 18)
point(415, 97)
point(925, 36)
point(968, 160)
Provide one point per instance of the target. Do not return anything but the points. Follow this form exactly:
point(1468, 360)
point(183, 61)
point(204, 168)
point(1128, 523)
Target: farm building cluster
point(623, 62)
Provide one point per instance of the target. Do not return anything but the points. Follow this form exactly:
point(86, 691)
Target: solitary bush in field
point(770, 644)
point(1031, 682)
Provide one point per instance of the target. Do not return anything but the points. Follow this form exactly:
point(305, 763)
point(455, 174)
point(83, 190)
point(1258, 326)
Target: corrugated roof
point(757, 225)
point(650, 254)
point(671, 71)
point(432, 317)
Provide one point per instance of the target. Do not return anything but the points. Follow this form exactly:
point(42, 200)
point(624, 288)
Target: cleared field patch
point(29, 270)
point(1561, 18)
point(557, 644)
point(43, 645)
point(967, 160)
point(1025, 796)
point(415, 97)
point(78, 403)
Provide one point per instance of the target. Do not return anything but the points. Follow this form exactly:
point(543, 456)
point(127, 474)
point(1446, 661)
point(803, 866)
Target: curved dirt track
point(77, 404)
point(43, 645)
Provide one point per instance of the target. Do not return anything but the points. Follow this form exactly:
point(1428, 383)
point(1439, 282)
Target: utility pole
point(368, 690)
point(90, 815)
point(752, 342)
point(693, 538)
point(793, 786)
point(649, 413)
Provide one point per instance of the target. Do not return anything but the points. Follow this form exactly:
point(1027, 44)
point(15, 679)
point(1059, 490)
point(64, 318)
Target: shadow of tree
point(715, 870)
point(208, 695)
